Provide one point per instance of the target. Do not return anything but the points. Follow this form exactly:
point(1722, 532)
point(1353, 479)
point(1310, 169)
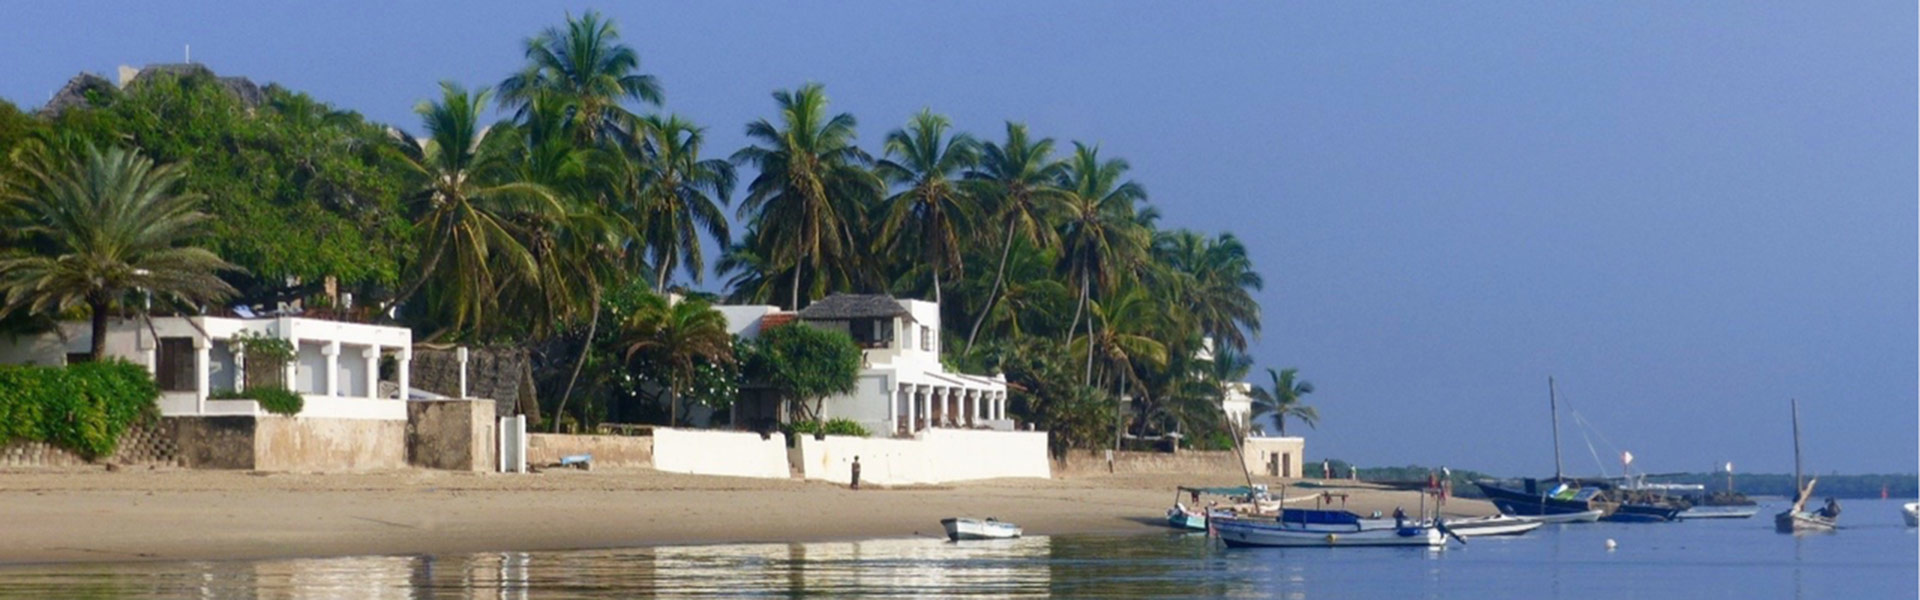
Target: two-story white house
point(902, 387)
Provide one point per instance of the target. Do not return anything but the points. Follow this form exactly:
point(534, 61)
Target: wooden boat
point(1579, 517)
point(1249, 500)
point(1490, 526)
point(1554, 500)
point(1719, 512)
point(1298, 527)
point(1798, 519)
point(1911, 512)
point(961, 528)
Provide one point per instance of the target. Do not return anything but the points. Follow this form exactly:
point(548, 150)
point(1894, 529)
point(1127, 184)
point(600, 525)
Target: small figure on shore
point(1399, 517)
point(856, 472)
point(1326, 469)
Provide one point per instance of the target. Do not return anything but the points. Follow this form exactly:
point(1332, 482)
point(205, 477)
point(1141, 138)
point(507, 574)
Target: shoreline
point(94, 516)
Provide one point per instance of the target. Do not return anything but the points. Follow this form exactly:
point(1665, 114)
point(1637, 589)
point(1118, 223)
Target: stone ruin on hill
point(81, 90)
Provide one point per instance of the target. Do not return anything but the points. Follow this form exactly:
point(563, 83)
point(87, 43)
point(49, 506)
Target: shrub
point(83, 407)
point(274, 400)
point(831, 427)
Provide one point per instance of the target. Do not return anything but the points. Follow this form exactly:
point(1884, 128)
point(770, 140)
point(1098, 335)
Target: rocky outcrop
point(87, 89)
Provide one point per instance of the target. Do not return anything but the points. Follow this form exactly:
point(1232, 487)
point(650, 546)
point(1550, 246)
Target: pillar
point(913, 408)
point(332, 352)
point(461, 353)
point(372, 354)
point(405, 373)
point(926, 406)
point(239, 366)
point(893, 410)
point(202, 360)
point(291, 374)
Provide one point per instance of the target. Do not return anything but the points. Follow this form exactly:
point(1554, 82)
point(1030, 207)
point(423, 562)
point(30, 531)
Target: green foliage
point(275, 400)
point(83, 407)
point(831, 427)
point(264, 347)
point(1047, 391)
point(804, 363)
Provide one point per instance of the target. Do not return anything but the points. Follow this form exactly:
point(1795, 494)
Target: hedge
point(272, 399)
point(832, 427)
point(82, 407)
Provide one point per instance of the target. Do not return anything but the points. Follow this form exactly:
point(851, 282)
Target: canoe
point(1719, 512)
point(961, 528)
point(1322, 528)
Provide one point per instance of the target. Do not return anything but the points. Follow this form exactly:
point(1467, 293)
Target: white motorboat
point(1720, 512)
point(961, 528)
point(1911, 512)
point(1494, 525)
point(1573, 517)
point(1322, 528)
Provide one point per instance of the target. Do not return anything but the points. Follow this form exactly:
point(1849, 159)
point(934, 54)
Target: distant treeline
point(1752, 484)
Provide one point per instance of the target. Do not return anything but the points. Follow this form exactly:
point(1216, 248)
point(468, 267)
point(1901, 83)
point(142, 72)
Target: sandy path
point(92, 515)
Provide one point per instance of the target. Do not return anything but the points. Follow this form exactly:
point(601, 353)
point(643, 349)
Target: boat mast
point(1799, 485)
point(1553, 404)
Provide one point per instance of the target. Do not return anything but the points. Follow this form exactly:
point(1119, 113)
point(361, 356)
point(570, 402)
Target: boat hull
point(1579, 517)
point(959, 529)
point(1643, 513)
point(1911, 512)
point(1261, 534)
point(1719, 512)
point(1179, 519)
point(1519, 503)
point(1493, 526)
point(1802, 522)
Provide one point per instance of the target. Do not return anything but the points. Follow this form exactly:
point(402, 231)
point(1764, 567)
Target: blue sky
point(1686, 213)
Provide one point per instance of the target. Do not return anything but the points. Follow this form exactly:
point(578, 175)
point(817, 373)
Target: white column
point(893, 410)
point(462, 355)
point(292, 372)
point(332, 352)
point(926, 405)
point(913, 409)
point(202, 361)
point(973, 407)
point(1000, 405)
point(239, 366)
point(372, 354)
point(405, 372)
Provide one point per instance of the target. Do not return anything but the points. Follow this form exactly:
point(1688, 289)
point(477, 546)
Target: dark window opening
point(871, 333)
point(174, 369)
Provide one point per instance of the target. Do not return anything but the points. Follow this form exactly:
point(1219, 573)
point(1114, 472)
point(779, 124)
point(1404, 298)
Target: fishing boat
point(1720, 512)
point(1911, 512)
point(1554, 500)
point(962, 528)
point(1798, 519)
point(1229, 502)
point(1492, 526)
point(1579, 517)
point(1299, 527)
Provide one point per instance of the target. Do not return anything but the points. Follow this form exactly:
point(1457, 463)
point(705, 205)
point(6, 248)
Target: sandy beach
point(95, 515)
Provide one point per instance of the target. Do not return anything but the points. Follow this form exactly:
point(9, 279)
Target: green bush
point(83, 407)
point(831, 427)
point(274, 400)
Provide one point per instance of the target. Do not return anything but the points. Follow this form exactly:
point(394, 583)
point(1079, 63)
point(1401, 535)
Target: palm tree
point(679, 195)
point(586, 66)
point(1216, 282)
point(932, 211)
point(467, 209)
point(1132, 325)
point(1099, 238)
point(677, 336)
point(1282, 400)
point(1017, 180)
point(104, 226)
point(811, 190)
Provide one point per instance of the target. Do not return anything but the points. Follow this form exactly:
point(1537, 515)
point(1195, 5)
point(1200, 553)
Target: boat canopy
point(1319, 517)
point(1239, 490)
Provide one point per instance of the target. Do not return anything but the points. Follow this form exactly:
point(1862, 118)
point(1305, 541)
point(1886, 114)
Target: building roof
point(841, 307)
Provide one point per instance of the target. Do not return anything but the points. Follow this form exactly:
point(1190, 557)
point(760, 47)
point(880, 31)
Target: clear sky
point(1687, 213)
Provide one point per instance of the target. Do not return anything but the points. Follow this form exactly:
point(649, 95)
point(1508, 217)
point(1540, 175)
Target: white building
point(902, 388)
point(335, 368)
point(1238, 405)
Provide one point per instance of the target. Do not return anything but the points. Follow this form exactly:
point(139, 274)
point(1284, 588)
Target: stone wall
point(1083, 463)
point(151, 444)
point(607, 450)
point(215, 442)
point(455, 435)
point(291, 443)
point(498, 373)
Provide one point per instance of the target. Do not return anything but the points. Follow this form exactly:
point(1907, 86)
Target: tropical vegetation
point(569, 228)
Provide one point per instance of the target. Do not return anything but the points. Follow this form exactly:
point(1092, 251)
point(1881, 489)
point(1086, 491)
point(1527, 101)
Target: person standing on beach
point(856, 472)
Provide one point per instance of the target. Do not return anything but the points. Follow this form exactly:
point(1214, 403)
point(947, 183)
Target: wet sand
point(87, 515)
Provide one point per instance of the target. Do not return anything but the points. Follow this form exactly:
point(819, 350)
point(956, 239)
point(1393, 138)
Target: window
point(926, 338)
point(871, 333)
point(174, 365)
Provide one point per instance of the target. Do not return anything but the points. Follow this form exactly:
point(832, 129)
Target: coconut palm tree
point(584, 65)
point(812, 189)
point(1282, 399)
point(1215, 281)
point(467, 209)
point(680, 194)
point(678, 337)
point(101, 227)
point(1132, 327)
point(1016, 181)
point(932, 210)
point(1099, 238)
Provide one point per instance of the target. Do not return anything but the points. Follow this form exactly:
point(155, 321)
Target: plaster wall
point(455, 435)
point(607, 450)
point(740, 454)
point(935, 456)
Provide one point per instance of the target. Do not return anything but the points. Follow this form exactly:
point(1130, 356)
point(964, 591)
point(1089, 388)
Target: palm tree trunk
point(798, 255)
point(99, 305)
point(593, 325)
point(1089, 350)
point(432, 263)
point(673, 405)
point(1078, 308)
point(993, 296)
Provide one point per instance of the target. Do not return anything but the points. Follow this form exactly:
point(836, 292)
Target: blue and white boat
point(1299, 527)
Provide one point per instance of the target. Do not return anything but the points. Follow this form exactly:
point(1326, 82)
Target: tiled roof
point(840, 307)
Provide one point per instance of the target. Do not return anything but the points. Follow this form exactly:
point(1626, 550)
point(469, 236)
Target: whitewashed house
point(902, 389)
point(335, 368)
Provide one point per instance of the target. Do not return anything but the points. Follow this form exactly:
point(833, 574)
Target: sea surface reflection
point(1874, 557)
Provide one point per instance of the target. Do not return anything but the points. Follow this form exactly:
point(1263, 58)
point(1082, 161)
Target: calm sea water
point(1876, 556)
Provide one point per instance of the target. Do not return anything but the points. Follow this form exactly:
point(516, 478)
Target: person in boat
point(1831, 510)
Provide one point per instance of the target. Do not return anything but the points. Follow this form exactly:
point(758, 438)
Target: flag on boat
point(1729, 467)
point(1626, 458)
